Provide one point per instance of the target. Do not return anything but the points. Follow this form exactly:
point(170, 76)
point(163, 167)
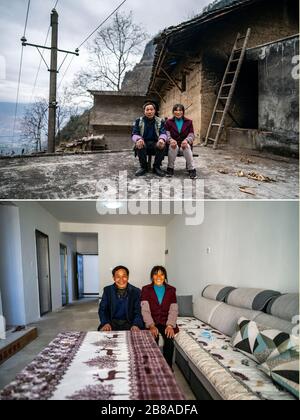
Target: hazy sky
point(77, 19)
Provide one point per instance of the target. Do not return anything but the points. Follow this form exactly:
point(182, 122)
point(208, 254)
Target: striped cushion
point(284, 306)
point(256, 299)
point(217, 292)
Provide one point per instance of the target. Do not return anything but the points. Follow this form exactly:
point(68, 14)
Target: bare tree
point(34, 123)
point(64, 111)
point(112, 54)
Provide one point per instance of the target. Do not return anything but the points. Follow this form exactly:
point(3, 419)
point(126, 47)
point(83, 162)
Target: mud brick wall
point(279, 89)
point(190, 99)
point(116, 138)
point(114, 115)
point(116, 109)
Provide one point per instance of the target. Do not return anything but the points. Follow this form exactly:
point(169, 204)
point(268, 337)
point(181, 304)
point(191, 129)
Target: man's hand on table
point(135, 329)
point(106, 328)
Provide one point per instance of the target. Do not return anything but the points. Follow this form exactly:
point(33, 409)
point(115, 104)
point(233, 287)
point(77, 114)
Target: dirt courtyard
point(228, 174)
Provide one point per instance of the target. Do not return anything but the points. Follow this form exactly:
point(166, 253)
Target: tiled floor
point(82, 316)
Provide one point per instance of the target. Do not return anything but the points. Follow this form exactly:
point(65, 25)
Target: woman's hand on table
point(154, 331)
point(106, 328)
point(170, 332)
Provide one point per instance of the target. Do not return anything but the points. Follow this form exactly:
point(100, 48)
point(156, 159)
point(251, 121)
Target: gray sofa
point(204, 352)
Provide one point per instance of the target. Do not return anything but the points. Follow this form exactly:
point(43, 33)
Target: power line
point(26, 20)
point(86, 39)
point(102, 23)
point(66, 71)
point(20, 69)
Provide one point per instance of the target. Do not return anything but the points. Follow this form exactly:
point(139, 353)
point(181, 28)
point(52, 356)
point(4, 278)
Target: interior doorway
point(43, 268)
point(64, 274)
point(88, 275)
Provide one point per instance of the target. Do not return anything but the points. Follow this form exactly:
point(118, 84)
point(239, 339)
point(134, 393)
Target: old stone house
point(191, 59)
point(113, 113)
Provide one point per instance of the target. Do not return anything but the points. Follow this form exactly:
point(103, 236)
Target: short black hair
point(179, 106)
point(149, 103)
point(120, 267)
point(158, 268)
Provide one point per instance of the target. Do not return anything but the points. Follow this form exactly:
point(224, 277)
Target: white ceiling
point(86, 212)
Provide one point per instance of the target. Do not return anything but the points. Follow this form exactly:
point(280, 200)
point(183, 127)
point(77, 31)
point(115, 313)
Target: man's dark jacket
point(133, 306)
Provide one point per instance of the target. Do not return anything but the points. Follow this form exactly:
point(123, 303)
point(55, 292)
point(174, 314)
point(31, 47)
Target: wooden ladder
point(227, 89)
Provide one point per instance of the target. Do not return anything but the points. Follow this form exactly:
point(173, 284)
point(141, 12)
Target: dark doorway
point(245, 100)
point(64, 274)
point(43, 268)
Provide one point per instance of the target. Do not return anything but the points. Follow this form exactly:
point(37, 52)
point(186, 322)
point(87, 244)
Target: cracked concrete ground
point(77, 176)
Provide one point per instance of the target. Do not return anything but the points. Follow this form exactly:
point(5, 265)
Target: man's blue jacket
point(109, 302)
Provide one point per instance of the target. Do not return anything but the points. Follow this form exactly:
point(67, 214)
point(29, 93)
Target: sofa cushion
point(259, 343)
point(185, 306)
point(284, 306)
point(284, 370)
point(225, 318)
point(205, 308)
point(256, 299)
point(185, 323)
point(217, 292)
point(230, 373)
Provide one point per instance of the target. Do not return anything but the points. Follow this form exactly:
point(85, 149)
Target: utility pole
point(53, 76)
point(53, 83)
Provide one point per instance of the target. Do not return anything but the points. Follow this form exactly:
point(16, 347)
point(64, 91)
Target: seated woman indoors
point(180, 132)
point(120, 307)
point(149, 136)
point(160, 310)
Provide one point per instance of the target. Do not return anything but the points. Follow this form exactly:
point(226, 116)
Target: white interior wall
point(253, 244)
point(34, 217)
point(137, 247)
point(11, 271)
point(87, 244)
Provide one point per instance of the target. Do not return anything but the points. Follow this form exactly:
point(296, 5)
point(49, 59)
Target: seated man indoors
point(149, 136)
point(120, 307)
